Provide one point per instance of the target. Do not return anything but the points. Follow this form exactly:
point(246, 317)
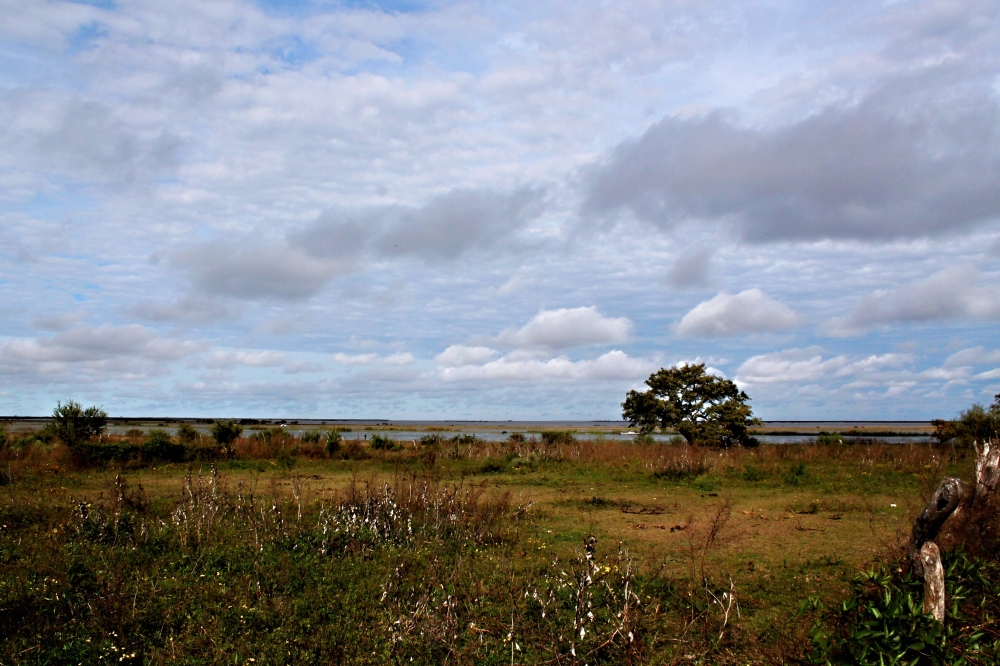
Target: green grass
point(477, 554)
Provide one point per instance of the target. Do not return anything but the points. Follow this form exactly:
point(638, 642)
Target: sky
point(498, 210)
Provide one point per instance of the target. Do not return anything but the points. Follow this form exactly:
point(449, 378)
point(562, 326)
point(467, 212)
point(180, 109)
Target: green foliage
point(797, 475)
point(432, 439)
point(160, 447)
point(73, 425)
point(976, 424)
point(882, 622)
point(557, 437)
point(753, 474)
point(225, 434)
point(333, 440)
point(310, 437)
point(826, 438)
point(186, 434)
point(381, 442)
point(4, 439)
point(703, 408)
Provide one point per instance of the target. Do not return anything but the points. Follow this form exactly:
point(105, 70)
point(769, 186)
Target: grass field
point(462, 551)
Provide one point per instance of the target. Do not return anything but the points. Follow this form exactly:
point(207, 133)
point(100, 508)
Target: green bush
point(310, 437)
point(380, 442)
point(225, 434)
point(186, 434)
point(753, 474)
point(333, 440)
point(557, 437)
point(160, 447)
point(73, 425)
point(797, 475)
point(825, 438)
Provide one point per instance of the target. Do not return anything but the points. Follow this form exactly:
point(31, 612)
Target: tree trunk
point(987, 469)
point(930, 557)
point(927, 525)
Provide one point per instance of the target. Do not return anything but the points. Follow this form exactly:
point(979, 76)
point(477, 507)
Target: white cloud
point(255, 359)
point(565, 328)
point(355, 359)
point(749, 311)
point(399, 358)
point(972, 356)
point(458, 355)
point(953, 293)
point(789, 366)
point(615, 364)
point(92, 349)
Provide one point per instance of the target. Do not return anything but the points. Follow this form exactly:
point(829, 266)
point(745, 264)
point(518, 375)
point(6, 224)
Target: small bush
point(333, 440)
point(826, 438)
point(797, 475)
point(753, 474)
point(160, 447)
point(380, 442)
point(431, 440)
point(225, 434)
point(310, 437)
point(186, 434)
point(554, 438)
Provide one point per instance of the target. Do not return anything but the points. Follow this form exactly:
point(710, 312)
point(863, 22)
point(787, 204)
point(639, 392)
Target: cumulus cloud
point(972, 356)
point(92, 349)
point(953, 293)
point(566, 328)
point(916, 156)
point(808, 365)
point(749, 311)
point(458, 355)
point(613, 365)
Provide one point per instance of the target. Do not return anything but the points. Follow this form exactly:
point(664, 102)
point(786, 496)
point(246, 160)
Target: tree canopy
point(73, 425)
point(701, 407)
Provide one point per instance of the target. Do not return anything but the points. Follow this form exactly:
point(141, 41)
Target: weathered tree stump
point(930, 557)
point(987, 469)
point(927, 525)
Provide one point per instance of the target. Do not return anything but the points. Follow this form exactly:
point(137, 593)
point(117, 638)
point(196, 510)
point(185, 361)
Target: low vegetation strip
point(558, 550)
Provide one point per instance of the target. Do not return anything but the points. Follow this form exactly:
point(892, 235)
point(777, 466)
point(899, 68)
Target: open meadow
point(450, 551)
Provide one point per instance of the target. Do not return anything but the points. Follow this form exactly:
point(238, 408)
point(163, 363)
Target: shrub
point(431, 440)
point(333, 440)
point(825, 438)
point(73, 425)
point(753, 474)
point(797, 475)
point(160, 447)
point(225, 433)
point(557, 437)
point(310, 437)
point(186, 434)
point(380, 442)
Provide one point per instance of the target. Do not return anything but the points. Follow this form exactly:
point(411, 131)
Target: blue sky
point(498, 210)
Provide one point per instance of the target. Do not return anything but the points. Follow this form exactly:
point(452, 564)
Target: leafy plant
point(883, 623)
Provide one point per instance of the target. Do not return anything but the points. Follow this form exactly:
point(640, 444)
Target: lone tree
point(703, 408)
point(74, 426)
